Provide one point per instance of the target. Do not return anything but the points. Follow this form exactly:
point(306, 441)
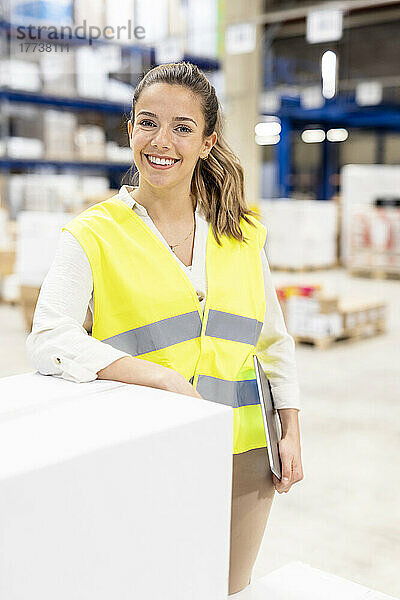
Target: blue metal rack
point(29, 163)
point(339, 112)
point(74, 103)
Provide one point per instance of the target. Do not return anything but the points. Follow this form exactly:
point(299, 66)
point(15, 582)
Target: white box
point(21, 147)
point(91, 72)
point(153, 16)
point(118, 14)
point(91, 11)
point(118, 153)
point(58, 71)
point(59, 134)
point(37, 239)
point(20, 74)
point(90, 141)
point(202, 25)
point(300, 581)
point(110, 490)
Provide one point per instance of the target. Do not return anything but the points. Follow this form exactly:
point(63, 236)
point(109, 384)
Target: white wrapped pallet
point(361, 186)
point(374, 238)
point(301, 233)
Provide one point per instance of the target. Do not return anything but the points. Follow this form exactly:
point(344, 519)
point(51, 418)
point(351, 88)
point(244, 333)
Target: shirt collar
point(125, 196)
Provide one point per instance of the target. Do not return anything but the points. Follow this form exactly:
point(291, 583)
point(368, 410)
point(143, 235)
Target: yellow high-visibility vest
point(145, 305)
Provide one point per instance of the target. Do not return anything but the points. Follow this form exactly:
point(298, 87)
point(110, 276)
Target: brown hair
point(218, 182)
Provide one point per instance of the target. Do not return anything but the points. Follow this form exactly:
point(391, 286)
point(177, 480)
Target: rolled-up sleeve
point(276, 348)
point(58, 344)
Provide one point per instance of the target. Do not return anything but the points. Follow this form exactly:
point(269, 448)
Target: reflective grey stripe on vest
point(233, 327)
point(231, 393)
point(158, 335)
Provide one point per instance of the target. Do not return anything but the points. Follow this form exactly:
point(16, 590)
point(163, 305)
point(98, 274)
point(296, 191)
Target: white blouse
point(60, 346)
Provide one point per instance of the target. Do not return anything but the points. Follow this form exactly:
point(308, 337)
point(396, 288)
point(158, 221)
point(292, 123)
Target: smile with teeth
point(162, 162)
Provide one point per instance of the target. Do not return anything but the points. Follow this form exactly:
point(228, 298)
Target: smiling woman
point(174, 270)
point(186, 128)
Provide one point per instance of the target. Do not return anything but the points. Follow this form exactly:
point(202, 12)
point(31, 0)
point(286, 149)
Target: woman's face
point(167, 136)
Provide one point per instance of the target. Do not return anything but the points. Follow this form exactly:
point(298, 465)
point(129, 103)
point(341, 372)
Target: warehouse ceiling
point(369, 48)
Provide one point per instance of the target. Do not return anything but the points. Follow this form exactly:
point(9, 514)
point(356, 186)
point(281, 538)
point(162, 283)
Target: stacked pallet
point(314, 318)
point(302, 234)
point(370, 224)
point(375, 241)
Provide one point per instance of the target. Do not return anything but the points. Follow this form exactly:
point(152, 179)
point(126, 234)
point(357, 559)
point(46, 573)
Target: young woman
point(174, 271)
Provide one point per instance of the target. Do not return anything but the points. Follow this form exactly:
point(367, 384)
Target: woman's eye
point(146, 122)
point(184, 129)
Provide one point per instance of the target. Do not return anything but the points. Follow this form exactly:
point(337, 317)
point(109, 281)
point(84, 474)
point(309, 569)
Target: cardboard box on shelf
point(91, 72)
point(202, 28)
point(156, 28)
point(118, 91)
point(42, 192)
point(59, 125)
point(118, 153)
point(23, 147)
point(7, 262)
point(58, 72)
point(120, 13)
point(91, 11)
point(25, 120)
point(53, 192)
point(90, 143)
point(20, 74)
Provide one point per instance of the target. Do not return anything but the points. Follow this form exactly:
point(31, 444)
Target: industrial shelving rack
point(341, 111)
point(114, 170)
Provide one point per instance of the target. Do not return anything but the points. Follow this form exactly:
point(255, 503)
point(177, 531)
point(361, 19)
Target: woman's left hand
point(292, 470)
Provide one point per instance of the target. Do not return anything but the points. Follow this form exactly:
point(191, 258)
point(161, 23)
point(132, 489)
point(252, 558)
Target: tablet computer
point(271, 422)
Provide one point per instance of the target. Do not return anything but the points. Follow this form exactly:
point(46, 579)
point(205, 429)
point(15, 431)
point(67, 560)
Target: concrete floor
point(344, 517)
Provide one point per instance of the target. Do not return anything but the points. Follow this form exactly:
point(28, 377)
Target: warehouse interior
point(310, 92)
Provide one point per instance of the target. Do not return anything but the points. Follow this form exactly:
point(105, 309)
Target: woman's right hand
point(175, 382)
